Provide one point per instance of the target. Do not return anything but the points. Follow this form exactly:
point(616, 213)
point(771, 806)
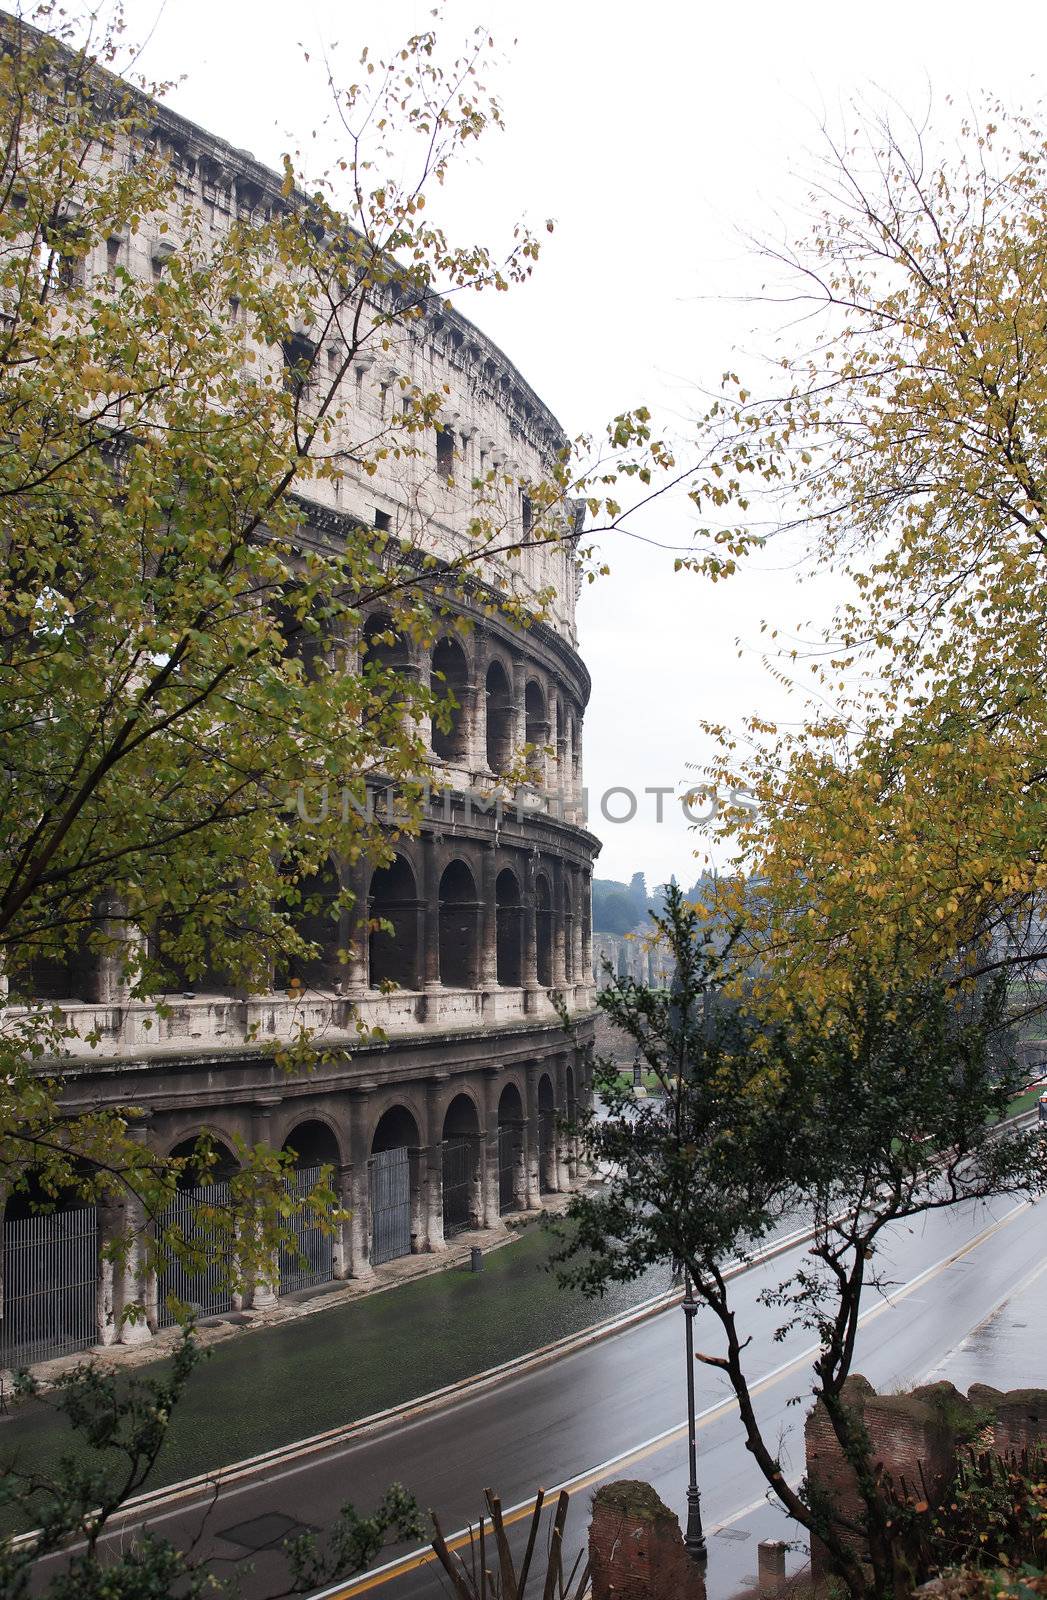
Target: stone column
point(110, 982)
point(561, 1146)
point(532, 1176)
point(421, 671)
point(429, 931)
point(559, 929)
point(342, 1243)
point(529, 952)
point(578, 891)
point(488, 974)
point(125, 1281)
point(519, 703)
point(474, 715)
point(265, 1290)
point(355, 876)
point(431, 1179)
point(359, 1182)
point(490, 1214)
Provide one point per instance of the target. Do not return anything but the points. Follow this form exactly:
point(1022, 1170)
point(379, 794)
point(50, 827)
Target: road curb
point(464, 1389)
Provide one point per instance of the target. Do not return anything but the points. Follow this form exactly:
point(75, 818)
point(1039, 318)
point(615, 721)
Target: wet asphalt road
point(618, 1410)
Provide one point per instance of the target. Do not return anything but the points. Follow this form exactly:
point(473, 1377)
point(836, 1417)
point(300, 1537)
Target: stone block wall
point(915, 1438)
point(636, 1549)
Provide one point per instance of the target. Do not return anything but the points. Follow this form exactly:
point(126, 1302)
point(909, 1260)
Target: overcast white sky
point(655, 135)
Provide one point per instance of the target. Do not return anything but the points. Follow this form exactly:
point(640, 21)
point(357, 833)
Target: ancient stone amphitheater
point(451, 1123)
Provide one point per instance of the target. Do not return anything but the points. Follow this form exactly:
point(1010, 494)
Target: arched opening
point(385, 659)
point(314, 915)
point(383, 646)
point(302, 636)
point(450, 675)
point(459, 939)
point(561, 743)
point(392, 1177)
point(546, 1135)
point(543, 913)
point(312, 1144)
point(508, 917)
point(512, 1184)
point(576, 754)
point(200, 1217)
point(568, 935)
point(462, 1201)
point(50, 1275)
point(536, 729)
point(499, 719)
point(308, 1257)
point(393, 950)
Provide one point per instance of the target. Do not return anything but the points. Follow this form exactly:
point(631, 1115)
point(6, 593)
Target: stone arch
point(393, 955)
point(543, 921)
point(546, 1134)
point(382, 645)
point(224, 1167)
point(313, 914)
point(301, 635)
point(536, 725)
point(460, 1166)
point(509, 929)
point(450, 681)
point(461, 1117)
point(396, 1128)
point(314, 1143)
point(499, 696)
point(308, 1259)
point(512, 1152)
point(393, 1183)
point(571, 1113)
point(459, 927)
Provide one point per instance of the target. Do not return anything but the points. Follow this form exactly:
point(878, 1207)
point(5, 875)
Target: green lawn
point(267, 1388)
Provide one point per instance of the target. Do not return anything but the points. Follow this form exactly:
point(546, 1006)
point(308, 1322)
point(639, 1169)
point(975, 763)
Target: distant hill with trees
point(620, 907)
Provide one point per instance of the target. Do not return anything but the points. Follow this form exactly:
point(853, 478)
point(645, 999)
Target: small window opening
point(526, 514)
point(383, 521)
point(112, 258)
point(445, 452)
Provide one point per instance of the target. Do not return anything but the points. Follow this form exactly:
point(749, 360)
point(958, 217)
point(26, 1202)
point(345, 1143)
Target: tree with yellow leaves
point(906, 820)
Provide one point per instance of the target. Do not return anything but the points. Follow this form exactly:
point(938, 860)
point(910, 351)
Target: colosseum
point(453, 1120)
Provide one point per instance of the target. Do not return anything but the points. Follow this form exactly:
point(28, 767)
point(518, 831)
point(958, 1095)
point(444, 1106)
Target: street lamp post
point(694, 1538)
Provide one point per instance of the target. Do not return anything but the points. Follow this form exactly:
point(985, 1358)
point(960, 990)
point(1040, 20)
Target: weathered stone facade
point(489, 908)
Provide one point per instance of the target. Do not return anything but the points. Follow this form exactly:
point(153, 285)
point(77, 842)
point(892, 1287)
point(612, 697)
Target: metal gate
point(312, 1242)
point(50, 1285)
point(460, 1157)
point(390, 1204)
point(206, 1291)
point(509, 1141)
point(546, 1146)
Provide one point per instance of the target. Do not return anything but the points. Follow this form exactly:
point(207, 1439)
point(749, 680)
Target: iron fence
point(390, 1182)
point(205, 1287)
point(311, 1260)
point(50, 1285)
point(460, 1161)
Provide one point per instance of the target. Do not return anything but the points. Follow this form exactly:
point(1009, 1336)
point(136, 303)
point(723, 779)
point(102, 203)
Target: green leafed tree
point(180, 655)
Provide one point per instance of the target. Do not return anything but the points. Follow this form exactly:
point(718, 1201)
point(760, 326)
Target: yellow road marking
point(594, 1475)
